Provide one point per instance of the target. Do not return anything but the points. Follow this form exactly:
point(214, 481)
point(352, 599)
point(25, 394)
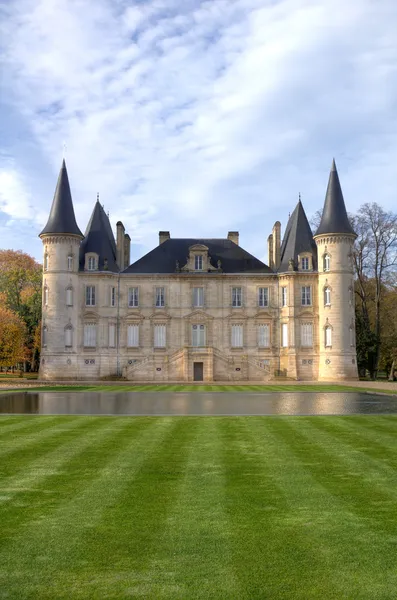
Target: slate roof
point(62, 219)
point(298, 238)
point(162, 259)
point(99, 238)
point(334, 218)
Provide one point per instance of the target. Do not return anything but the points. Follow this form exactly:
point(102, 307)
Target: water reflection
point(195, 403)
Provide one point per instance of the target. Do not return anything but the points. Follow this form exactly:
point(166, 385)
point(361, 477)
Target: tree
point(12, 338)
point(20, 290)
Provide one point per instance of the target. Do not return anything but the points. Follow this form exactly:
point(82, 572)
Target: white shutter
point(284, 335)
point(237, 336)
point(198, 335)
point(307, 334)
point(328, 336)
point(90, 335)
point(112, 335)
point(263, 336)
point(133, 336)
point(68, 336)
point(159, 336)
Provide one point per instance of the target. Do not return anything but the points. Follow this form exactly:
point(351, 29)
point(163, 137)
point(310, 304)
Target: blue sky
point(194, 117)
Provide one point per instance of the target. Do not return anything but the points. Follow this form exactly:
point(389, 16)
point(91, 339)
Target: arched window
point(327, 296)
point(91, 263)
point(68, 336)
point(328, 336)
point(327, 262)
point(44, 336)
point(46, 262)
point(70, 262)
point(45, 296)
point(69, 296)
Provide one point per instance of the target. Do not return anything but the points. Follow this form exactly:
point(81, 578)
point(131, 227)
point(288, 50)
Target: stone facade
point(243, 326)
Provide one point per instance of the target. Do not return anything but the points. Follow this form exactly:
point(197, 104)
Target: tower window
point(69, 296)
point(328, 337)
point(70, 262)
point(305, 263)
point(91, 263)
point(46, 262)
point(45, 299)
point(198, 262)
point(327, 262)
point(327, 296)
point(284, 296)
point(306, 295)
point(45, 335)
point(68, 336)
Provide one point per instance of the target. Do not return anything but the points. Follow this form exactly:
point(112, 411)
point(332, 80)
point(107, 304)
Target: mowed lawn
point(198, 507)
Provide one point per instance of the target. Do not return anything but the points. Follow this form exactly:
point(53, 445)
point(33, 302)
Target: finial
point(97, 196)
point(299, 196)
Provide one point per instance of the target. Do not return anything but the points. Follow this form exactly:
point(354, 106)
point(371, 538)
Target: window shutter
point(112, 335)
point(90, 335)
point(237, 336)
point(263, 336)
point(284, 335)
point(328, 336)
point(133, 336)
point(307, 334)
point(159, 336)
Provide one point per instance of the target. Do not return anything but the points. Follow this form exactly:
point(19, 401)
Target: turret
point(61, 239)
point(335, 238)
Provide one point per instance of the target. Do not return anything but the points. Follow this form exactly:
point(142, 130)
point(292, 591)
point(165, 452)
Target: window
point(284, 335)
point(112, 296)
point(306, 295)
point(70, 262)
point(133, 297)
point(198, 296)
point(159, 336)
point(112, 335)
point(90, 335)
point(237, 336)
point(327, 296)
point(351, 332)
point(91, 263)
point(198, 262)
point(45, 332)
point(284, 297)
point(46, 262)
point(198, 335)
point(263, 336)
point(263, 296)
point(133, 336)
point(327, 262)
point(69, 296)
point(90, 295)
point(307, 334)
point(68, 336)
point(45, 299)
point(351, 296)
point(160, 297)
point(237, 297)
point(305, 263)
point(328, 337)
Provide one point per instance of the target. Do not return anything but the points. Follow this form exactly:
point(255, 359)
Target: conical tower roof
point(298, 238)
point(99, 238)
point(334, 218)
point(62, 219)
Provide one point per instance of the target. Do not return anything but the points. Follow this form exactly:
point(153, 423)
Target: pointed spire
point(99, 238)
point(298, 238)
point(62, 219)
point(334, 218)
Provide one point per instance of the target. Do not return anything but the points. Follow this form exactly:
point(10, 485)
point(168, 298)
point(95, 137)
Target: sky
point(196, 117)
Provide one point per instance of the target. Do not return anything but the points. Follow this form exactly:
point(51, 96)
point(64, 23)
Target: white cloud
point(204, 116)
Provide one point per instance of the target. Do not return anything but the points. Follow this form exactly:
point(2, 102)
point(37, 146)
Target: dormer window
point(198, 262)
point(305, 263)
point(91, 263)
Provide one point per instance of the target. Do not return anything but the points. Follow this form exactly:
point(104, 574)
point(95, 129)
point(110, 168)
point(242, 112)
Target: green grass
point(198, 508)
point(204, 388)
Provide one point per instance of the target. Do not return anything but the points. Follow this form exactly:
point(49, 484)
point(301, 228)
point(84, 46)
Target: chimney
point(164, 236)
point(276, 234)
point(233, 236)
point(270, 251)
point(127, 246)
point(120, 244)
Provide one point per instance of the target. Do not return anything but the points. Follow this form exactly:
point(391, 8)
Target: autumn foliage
point(12, 338)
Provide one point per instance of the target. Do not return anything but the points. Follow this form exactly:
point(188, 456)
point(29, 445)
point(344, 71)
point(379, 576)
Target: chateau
point(198, 309)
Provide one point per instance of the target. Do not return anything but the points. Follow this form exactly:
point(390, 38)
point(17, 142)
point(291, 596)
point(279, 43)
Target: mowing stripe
point(26, 422)
point(58, 534)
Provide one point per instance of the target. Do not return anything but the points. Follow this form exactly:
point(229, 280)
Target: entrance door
point(198, 371)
